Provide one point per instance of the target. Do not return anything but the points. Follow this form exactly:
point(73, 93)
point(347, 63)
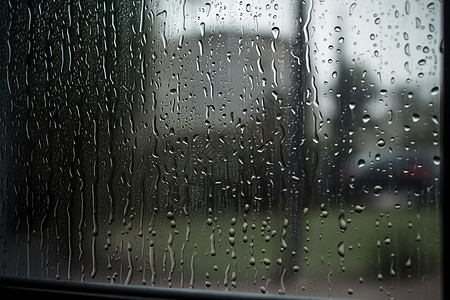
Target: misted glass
point(280, 147)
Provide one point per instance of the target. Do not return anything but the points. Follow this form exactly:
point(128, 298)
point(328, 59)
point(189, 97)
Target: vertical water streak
point(130, 265)
point(152, 263)
point(192, 281)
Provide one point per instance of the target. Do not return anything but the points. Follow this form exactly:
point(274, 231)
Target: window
point(267, 147)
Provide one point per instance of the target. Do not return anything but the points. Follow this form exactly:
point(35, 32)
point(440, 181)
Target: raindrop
point(202, 29)
point(407, 7)
point(418, 22)
point(359, 208)
point(436, 160)
point(248, 7)
point(351, 9)
point(377, 190)
point(408, 262)
point(361, 163)
point(341, 249)
point(381, 143)
point(208, 8)
point(337, 29)
point(366, 118)
point(435, 90)
point(415, 117)
point(387, 241)
point(407, 50)
point(406, 65)
point(342, 222)
point(275, 32)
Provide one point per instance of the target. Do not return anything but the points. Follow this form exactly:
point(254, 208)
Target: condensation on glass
point(280, 147)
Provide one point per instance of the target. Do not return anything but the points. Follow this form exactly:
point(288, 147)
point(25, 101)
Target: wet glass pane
point(278, 147)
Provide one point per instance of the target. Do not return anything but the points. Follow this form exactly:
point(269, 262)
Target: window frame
point(26, 287)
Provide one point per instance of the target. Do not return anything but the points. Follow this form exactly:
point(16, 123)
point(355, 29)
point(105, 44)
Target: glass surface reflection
point(267, 147)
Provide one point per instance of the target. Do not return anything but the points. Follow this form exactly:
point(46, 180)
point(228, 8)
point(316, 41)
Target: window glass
point(280, 147)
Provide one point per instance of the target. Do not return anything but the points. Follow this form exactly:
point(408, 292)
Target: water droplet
point(387, 241)
point(407, 50)
point(366, 118)
point(415, 117)
point(248, 7)
point(337, 29)
point(275, 32)
point(381, 143)
point(202, 29)
point(342, 222)
point(377, 190)
point(208, 8)
point(361, 163)
point(351, 9)
point(408, 262)
point(341, 249)
point(435, 90)
point(422, 62)
point(359, 208)
point(436, 160)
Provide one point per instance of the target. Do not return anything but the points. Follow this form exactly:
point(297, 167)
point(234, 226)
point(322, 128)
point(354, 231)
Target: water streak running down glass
point(277, 147)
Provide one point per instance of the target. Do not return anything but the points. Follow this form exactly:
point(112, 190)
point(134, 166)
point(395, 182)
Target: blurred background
point(280, 147)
